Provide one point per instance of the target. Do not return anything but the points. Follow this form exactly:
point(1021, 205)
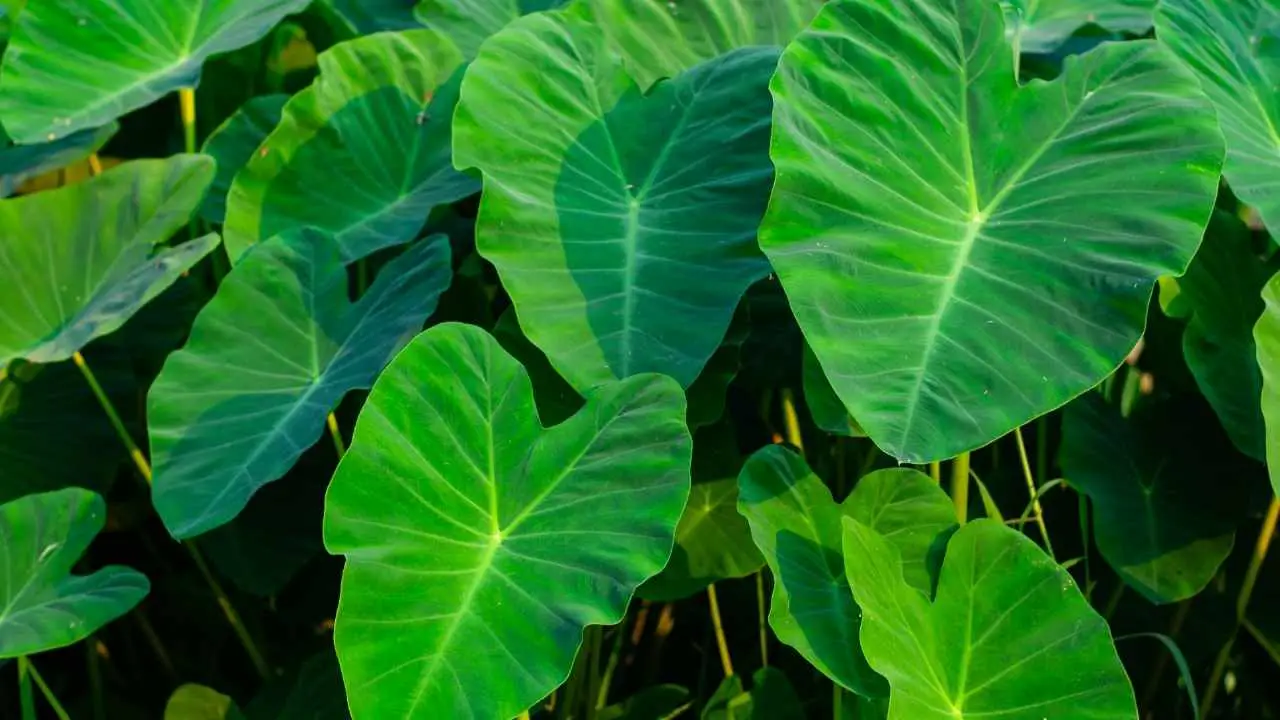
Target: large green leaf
point(1228, 44)
point(42, 605)
point(363, 17)
point(660, 39)
point(1041, 26)
point(73, 65)
point(623, 225)
point(478, 544)
point(1008, 634)
point(1005, 239)
point(796, 525)
point(20, 162)
point(468, 23)
point(1145, 475)
point(77, 262)
point(268, 359)
point(1267, 336)
point(363, 153)
point(1223, 291)
point(234, 143)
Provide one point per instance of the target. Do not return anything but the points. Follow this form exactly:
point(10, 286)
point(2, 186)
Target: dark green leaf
point(234, 143)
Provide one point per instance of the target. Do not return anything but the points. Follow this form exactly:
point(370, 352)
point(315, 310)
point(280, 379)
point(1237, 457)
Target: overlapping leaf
point(269, 357)
point(42, 605)
point(76, 65)
point(1041, 26)
point(233, 145)
point(363, 17)
point(622, 225)
point(1005, 239)
point(363, 153)
point(20, 162)
point(468, 23)
point(77, 262)
point(478, 544)
point(1267, 336)
point(1007, 634)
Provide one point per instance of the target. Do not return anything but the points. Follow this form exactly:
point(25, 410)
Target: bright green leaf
point(796, 525)
point(274, 351)
point(42, 605)
point(1267, 336)
point(1007, 635)
point(77, 262)
point(622, 225)
point(20, 162)
point(468, 23)
point(1005, 239)
point(234, 143)
point(363, 153)
point(197, 702)
point(1042, 26)
point(76, 65)
point(478, 544)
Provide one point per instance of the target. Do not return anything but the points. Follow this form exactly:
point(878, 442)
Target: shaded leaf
point(364, 17)
point(234, 143)
point(468, 23)
point(828, 411)
point(197, 702)
point(1266, 335)
point(21, 162)
point(1042, 26)
point(651, 703)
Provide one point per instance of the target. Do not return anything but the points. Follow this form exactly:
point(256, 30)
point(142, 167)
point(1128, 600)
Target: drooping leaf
point(1223, 290)
point(21, 162)
point(1145, 477)
point(1228, 45)
point(1042, 26)
point(234, 143)
point(796, 525)
point(478, 544)
point(76, 65)
point(269, 357)
point(77, 262)
point(1008, 634)
point(198, 702)
point(828, 411)
point(363, 153)
point(659, 39)
point(1005, 239)
point(623, 225)
point(468, 23)
point(42, 605)
point(365, 17)
point(1266, 334)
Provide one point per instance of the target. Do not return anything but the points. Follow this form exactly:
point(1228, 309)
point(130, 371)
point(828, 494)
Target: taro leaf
point(75, 65)
point(1042, 26)
point(623, 226)
point(9, 10)
point(20, 162)
point(1222, 289)
point(1008, 634)
point(1145, 476)
point(652, 703)
point(478, 544)
point(1267, 336)
point(77, 262)
point(828, 412)
point(771, 698)
point(365, 17)
point(42, 605)
point(659, 39)
point(1004, 239)
point(796, 525)
point(363, 153)
point(1230, 46)
point(707, 393)
point(468, 23)
point(556, 399)
point(197, 702)
point(234, 143)
point(269, 357)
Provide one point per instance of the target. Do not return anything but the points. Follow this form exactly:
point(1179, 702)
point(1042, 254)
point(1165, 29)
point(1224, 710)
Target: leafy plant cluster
point(782, 358)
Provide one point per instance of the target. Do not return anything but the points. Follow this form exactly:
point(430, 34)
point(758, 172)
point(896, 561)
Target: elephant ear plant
point(639, 360)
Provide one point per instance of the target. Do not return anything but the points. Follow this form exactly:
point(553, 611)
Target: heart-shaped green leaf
point(1266, 334)
point(993, 281)
point(796, 525)
point(363, 153)
point(1228, 45)
point(468, 23)
point(75, 65)
point(623, 225)
point(269, 357)
point(233, 145)
point(1145, 476)
point(20, 162)
point(478, 544)
point(1008, 634)
point(77, 262)
point(1041, 26)
point(42, 605)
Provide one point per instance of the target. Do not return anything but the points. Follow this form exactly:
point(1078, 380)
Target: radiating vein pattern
point(269, 357)
point(73, 65)
point(623, 225)
point(468, 23)
point(1008, 634)
point(478, 544)
point(964, 254)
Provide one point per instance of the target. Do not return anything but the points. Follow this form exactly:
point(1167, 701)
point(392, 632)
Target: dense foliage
point(639, 359)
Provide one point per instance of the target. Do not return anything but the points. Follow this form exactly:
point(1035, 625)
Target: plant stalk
point(791, 421)
point(760, 614)
point(26, 697)
point(187, 110)
point(335, 432)
point(602, 697)
point(31, 672)
point(935, 472)
point(721, 643)
point(1031, 488)
point(960, 486)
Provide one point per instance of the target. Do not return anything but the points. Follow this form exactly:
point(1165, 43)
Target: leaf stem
point(760, 614)
point(139, 460)
point(935, 472)
point(960, 486)
point(26, 698)
point(229, 610)
point(791, 420)
point(721, 643)
point(34, 674)
point(335, 432)
point(1242, 602)
point(602, 696)
point(187, 110)
point(1031, 488)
